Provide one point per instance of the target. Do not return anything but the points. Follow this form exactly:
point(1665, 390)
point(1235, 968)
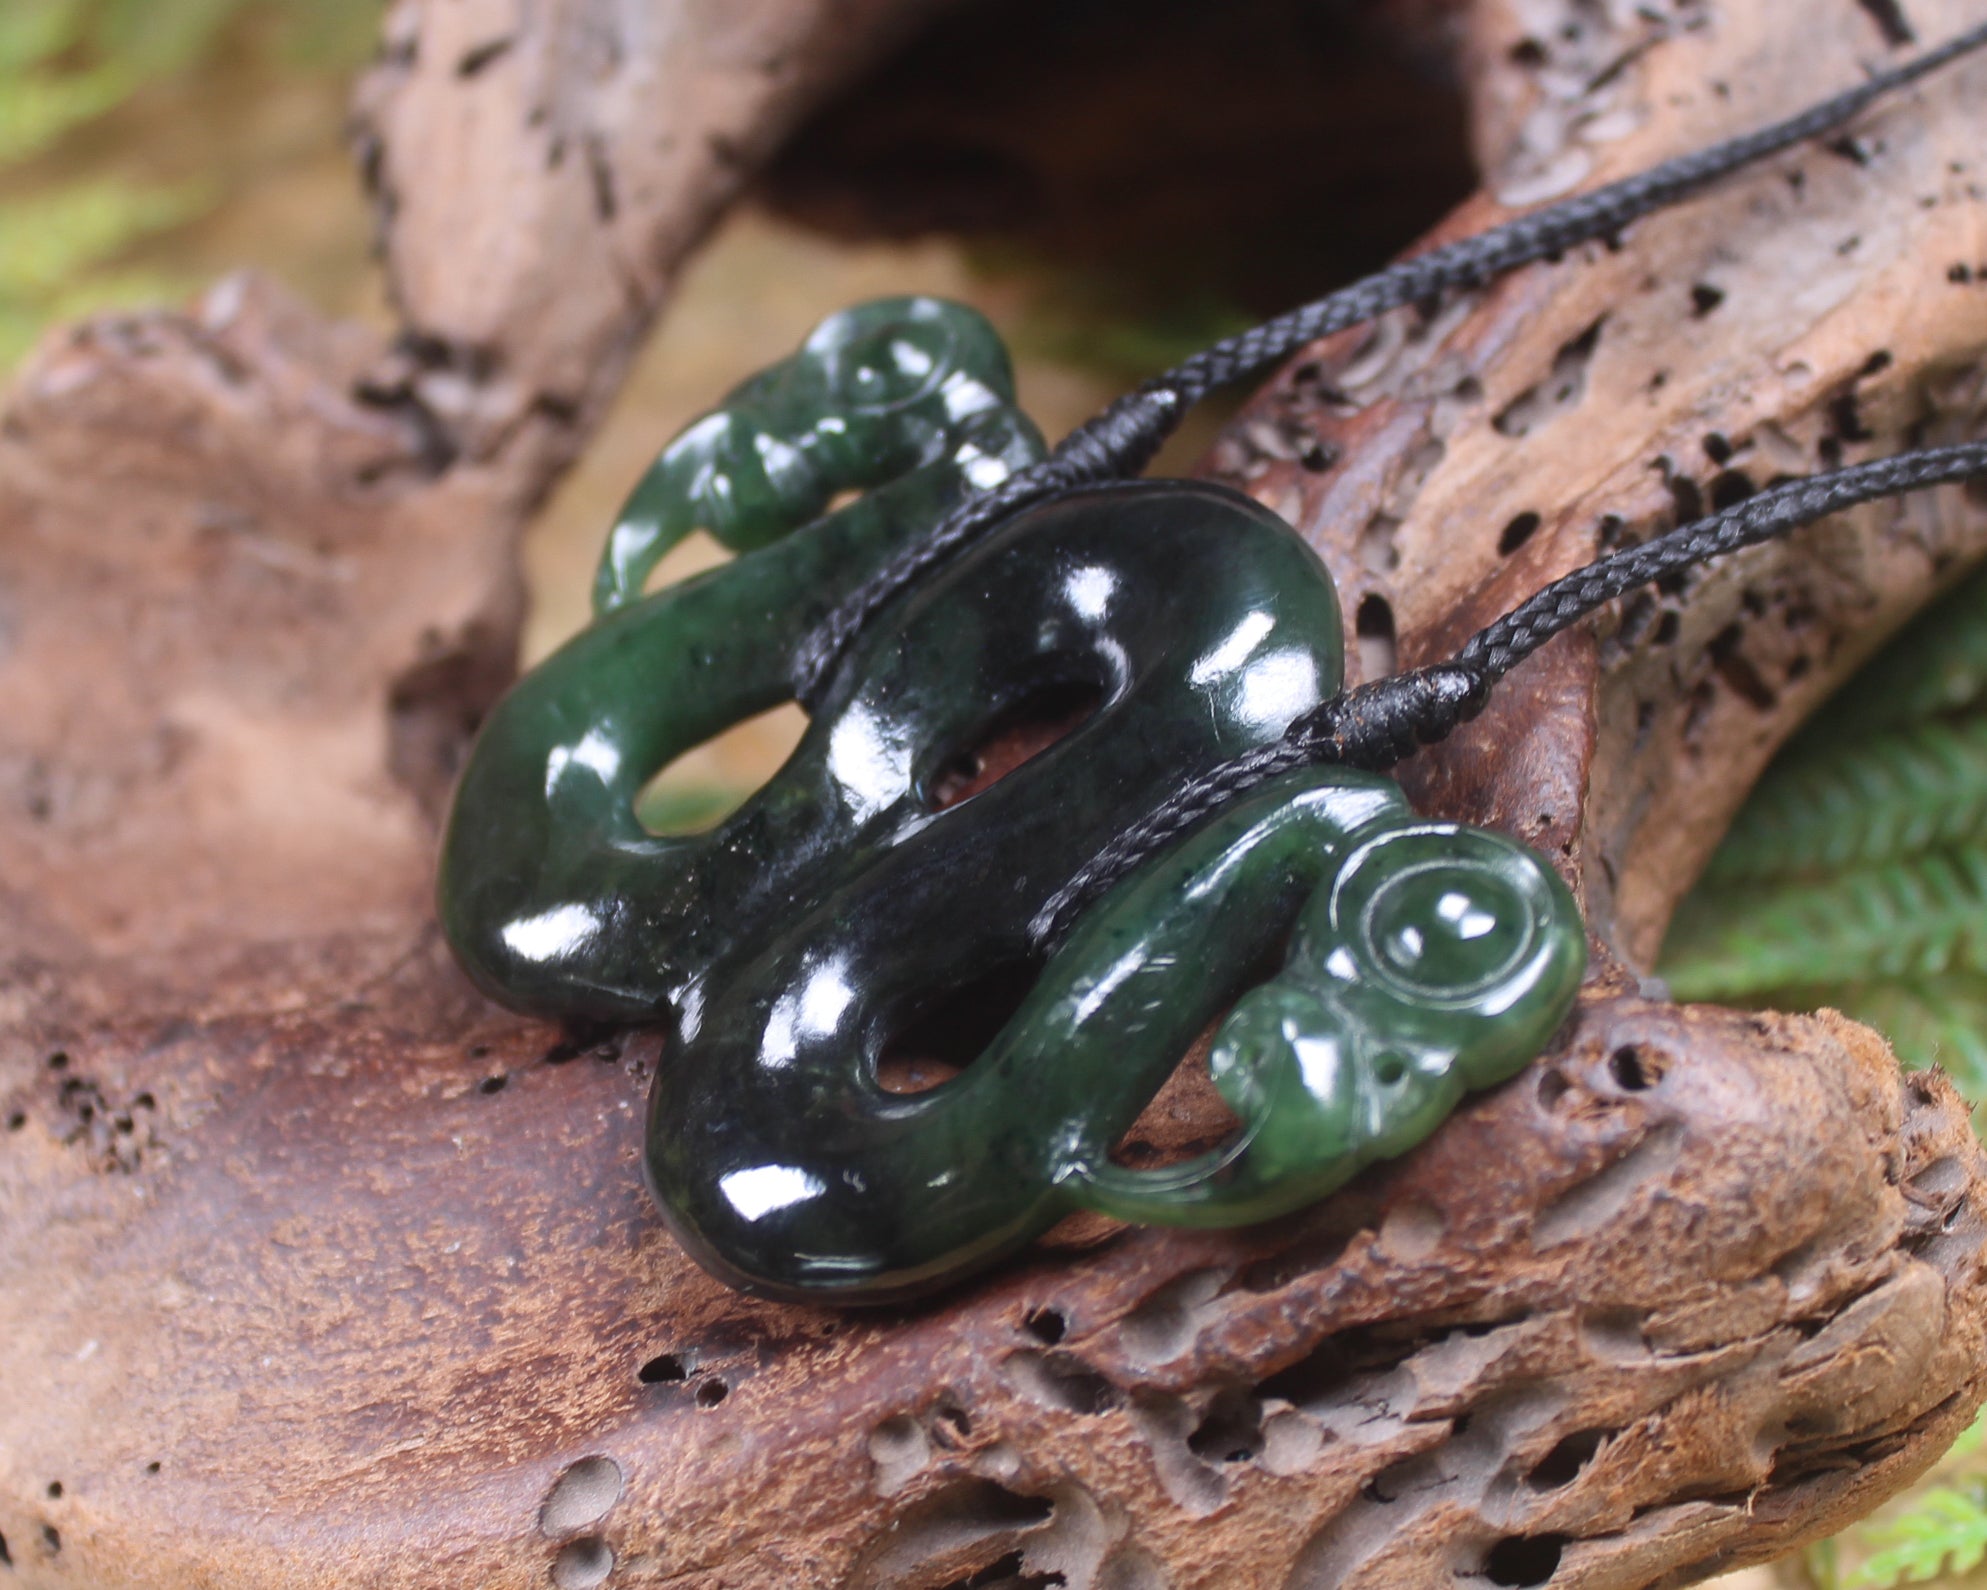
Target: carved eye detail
point(1443, 915)
point(892, 366)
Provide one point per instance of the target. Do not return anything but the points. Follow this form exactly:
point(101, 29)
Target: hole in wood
point(1518, 532)
point(582, 1564)
point(1522, 1560)
point(1004, 1573)
point(1562, 1465)
point(1046, 1325)
point(1232, 1431)
point(1373, 629)
point(1633, 1070)
point(581, 1496)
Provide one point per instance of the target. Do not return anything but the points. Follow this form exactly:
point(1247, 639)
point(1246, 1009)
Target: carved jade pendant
point(787, 947)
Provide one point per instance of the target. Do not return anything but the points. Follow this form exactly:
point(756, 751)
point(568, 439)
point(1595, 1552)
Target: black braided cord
point(1379, 723)
point(1122, 440)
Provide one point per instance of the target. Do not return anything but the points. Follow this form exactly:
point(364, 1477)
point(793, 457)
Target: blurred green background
point(149, 146)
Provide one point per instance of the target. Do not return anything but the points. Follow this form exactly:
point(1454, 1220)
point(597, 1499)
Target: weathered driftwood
point(316, 1270)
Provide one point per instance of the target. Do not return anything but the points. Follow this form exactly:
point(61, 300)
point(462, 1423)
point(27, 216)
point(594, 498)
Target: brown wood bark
point(317, 1270)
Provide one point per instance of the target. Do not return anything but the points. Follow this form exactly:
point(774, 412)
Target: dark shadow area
point(1187, 167)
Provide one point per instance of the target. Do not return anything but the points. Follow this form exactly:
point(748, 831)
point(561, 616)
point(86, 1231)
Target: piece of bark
point(541, 170)
point(317, 1270)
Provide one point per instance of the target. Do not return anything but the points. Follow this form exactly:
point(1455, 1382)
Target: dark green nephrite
point(841, 904)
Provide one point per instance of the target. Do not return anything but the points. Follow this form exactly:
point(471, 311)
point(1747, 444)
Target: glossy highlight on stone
point(845, 901)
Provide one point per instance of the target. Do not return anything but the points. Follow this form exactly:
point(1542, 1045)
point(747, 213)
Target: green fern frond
point(1910, 918)
point(1936, 666)
point(1944, 1532)
point(1878, 799)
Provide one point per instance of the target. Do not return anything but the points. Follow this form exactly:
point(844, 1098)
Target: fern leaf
point(1873, 800)
point(1945, 1531)
point(1909, 918)
point(1936, 666)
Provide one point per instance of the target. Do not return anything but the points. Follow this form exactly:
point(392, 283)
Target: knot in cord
point(1386, 720)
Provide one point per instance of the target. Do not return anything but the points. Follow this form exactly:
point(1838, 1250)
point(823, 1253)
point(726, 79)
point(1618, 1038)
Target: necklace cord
point(1379, 723)
point(1122, 440)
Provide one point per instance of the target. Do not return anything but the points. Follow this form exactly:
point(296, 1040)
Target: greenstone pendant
point(791, 944)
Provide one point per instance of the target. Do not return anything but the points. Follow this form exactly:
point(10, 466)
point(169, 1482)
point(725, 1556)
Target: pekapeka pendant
point(789, 945)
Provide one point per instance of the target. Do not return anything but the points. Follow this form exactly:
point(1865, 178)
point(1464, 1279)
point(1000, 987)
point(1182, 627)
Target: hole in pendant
point(948, 1034)
point(1016, 734)
point(705, 785)
point(1186, 1117)
point(697, 553)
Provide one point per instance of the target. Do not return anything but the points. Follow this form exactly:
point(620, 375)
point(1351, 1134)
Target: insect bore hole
point(1046, 1325)
point(1633, 1070)
point(1524, 1560)
point(1517, 532)
point(1373, 628)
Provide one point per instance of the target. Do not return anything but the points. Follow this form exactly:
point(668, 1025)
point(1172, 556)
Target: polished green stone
point(841, 904)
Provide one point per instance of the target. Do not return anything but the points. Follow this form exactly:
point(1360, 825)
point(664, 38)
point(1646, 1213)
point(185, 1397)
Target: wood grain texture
point(317, 1271)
